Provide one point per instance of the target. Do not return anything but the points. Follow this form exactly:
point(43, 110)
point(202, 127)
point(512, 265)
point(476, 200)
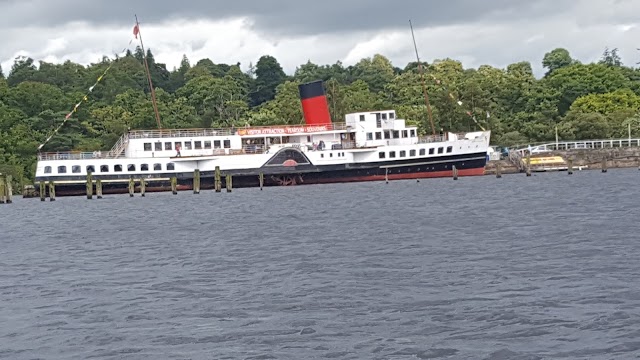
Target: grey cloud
point(495, 32)
point(281, 17)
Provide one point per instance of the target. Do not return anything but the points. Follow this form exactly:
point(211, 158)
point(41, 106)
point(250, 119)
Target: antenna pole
point(146, 66)
point(424, 87)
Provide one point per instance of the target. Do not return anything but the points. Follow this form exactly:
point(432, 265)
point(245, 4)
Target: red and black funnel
point(314, 103)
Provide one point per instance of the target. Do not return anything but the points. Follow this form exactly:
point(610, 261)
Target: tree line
point(580, 101)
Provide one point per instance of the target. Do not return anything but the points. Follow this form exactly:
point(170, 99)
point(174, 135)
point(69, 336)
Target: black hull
point(466, 165)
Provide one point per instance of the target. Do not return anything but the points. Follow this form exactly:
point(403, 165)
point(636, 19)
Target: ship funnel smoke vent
point(314, 103)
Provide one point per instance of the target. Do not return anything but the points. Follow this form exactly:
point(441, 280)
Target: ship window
point(387, 134)
point(117, 168)
point(381, 155)
point(171, 166)
point(403, 153)
point(396, 134)
point(423, 152)
point(369, 136)
point(378, 136)
point(207, 144)
point(216, 144)
point(157, 167)
point(392, 115)
point(405, 133)
point(362, 117)
point(431, 151)
point(76, 169)
point(147, 146)
point(62, 169)
point(330, 154)
point(384, 116)
point(413, 133)
point(131, 167)
point(47, 169)
point(167, 145)
point(378, 122)
point(158, 146)
point(178, 145)
point(144, 167)
point(449, 149)
point(412, 153)
point(197, 145)
point(392, 154)
point(227, 144)
point(187, 145)
point(104, 168)
point(322, 155)
point(440, 150)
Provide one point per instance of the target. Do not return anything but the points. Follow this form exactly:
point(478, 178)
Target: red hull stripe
point(406, 176)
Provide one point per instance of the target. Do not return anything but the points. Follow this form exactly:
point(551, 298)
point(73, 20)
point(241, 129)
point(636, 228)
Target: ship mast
point(146, 66)
point(424, 87)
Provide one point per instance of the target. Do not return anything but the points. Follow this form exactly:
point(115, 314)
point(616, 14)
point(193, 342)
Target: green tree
point(556, 59)
point(577, 125)
point(269, 75)
point(622, 99)
point(23, 69)
point(610, 58)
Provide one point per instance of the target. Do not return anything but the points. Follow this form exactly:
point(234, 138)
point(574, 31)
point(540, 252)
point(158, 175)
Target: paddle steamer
point(372, 145)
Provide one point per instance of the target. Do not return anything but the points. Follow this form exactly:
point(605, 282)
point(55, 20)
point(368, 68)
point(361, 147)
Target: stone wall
point(592, 158)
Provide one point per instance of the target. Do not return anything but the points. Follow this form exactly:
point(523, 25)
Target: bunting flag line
point(86, 96)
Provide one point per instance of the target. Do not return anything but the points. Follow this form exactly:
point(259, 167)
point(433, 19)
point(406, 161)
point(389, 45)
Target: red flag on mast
point(136, 30)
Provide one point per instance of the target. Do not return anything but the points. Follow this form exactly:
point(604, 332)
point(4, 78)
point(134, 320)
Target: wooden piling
point(229, 179)
point(89, 185)
point(454, 172)
point(528, 169)
point(386, 175)
point(196, 181)
point(2, 190)
point(570, 166)
point(143, 187)
point(261, 177)
point(498, 170)
point(132, 187)
point(604, 164)
point(99, 188)
point(174, 185)
point(43, 191)
point(52, 191)
point(218, 180)
point(8, 189)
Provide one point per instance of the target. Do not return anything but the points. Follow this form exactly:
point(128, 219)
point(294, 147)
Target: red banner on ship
point(283, 130)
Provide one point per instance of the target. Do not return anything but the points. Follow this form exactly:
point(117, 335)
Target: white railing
point(73, 155)
point(119, 147)
point(431, 139)
point(177, 133)
point(579, 144)
point(251, 130)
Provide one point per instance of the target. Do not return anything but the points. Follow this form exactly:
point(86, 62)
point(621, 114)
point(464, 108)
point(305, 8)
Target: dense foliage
point(583, 101)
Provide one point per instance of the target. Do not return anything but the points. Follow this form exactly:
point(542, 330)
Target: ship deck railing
point(73, 155)
point(431, 139)
point(262, 130)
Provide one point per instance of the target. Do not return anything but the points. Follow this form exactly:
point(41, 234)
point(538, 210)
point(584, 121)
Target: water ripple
point(518, 268)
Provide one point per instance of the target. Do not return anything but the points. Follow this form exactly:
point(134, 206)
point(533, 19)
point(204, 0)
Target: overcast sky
point(476, 32)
